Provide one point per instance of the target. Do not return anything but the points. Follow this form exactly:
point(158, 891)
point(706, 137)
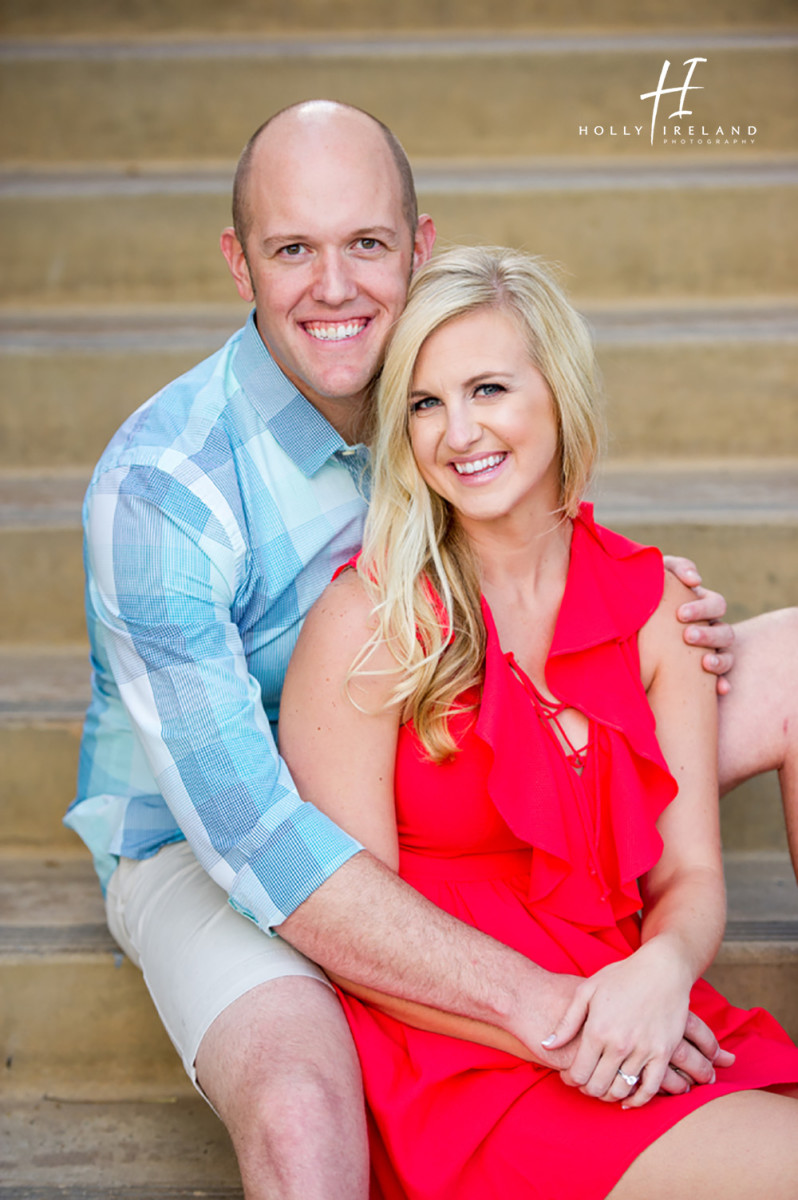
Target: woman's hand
point(632, 1016)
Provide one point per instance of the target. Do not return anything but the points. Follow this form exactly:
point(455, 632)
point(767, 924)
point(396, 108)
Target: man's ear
point(237, 262)
point(423, 241)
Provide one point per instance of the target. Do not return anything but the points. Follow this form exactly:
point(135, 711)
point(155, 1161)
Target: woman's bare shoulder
point(662, 634)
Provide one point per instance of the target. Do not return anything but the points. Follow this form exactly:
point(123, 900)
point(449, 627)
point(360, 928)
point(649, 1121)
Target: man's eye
point(292, 251)
point(368, 243)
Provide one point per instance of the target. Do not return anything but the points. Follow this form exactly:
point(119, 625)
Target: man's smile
point(335, 331)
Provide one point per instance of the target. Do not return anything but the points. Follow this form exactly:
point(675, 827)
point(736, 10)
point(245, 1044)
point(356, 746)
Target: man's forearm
point(365, 924)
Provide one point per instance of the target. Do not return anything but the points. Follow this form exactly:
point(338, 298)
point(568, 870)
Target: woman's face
point(482, 422)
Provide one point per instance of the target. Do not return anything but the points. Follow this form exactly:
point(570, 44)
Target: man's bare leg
point(280, 1068)
point(759, 716)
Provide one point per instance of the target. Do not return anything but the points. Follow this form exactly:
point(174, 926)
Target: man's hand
point(702, 617)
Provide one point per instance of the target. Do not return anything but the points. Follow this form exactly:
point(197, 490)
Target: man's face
point(328, 260)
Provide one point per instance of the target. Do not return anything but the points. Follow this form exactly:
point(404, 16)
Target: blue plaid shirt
point(214, 519)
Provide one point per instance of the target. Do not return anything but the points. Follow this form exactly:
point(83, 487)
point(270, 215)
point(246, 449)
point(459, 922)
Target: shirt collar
point(307, 437)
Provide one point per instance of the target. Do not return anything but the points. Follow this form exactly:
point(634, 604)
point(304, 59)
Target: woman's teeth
point(479, 464)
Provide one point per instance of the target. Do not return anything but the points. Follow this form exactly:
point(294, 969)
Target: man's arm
point(164, 573)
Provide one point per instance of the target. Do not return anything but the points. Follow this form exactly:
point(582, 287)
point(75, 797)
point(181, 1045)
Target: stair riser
point(76, 1027)
point(121, 108)
point(619, 244)
point(78, 1024)
point(750, 976)
point(38, 766)
point(755, 566)
point(680, 399)
point(38, 763)
point(701, 399)
point(112, 18)
point(59, 410)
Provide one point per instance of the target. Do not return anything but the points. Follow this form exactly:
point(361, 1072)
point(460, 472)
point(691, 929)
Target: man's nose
point(334, 281)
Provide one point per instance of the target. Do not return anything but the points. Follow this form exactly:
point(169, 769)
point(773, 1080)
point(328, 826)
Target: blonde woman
point(477, 703)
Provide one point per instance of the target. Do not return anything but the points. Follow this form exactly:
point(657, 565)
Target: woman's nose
point(462, 430)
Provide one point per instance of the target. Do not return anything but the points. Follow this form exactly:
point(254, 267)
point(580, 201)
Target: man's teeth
point(335, 333)
point(479, 464)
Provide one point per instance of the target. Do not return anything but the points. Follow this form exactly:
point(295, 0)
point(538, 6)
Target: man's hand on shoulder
point(702, 616)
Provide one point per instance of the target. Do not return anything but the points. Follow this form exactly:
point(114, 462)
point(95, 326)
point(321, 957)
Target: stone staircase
point(123, 119)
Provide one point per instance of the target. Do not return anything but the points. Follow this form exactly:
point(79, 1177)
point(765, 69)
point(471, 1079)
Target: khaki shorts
point(197, 954)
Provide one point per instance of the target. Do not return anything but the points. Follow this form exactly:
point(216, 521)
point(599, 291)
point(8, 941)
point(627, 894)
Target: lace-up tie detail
point(549, 712)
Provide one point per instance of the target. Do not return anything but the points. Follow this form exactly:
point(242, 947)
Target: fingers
point(694, 1065)
point(707, 606)
point(650, 1083)
point(684, 569)
point(569, 1024)
point(699, 1034)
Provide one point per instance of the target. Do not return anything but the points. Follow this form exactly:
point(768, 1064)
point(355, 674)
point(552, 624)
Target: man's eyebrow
point(383, 233)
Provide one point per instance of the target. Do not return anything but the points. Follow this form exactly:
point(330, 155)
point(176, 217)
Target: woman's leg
point(742, 1147)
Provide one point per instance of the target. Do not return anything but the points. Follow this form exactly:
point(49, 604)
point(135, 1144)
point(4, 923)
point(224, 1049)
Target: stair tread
point(494, 175)
point(166, 1150)
point(728, 491)
point(206, 327)
point(434, 43)
point(52, 905)
point(187, 18)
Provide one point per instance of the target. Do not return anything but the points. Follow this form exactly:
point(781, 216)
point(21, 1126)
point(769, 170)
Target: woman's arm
point(633, 1014)
point(342, 759)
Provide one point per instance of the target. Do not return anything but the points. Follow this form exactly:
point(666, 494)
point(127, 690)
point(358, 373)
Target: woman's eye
point(489, 389)
point(424, 405)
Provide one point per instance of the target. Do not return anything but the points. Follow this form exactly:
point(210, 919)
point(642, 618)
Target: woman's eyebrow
point(482, 377)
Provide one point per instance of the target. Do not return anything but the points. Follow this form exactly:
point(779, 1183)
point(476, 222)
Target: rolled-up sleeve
point(165, 560)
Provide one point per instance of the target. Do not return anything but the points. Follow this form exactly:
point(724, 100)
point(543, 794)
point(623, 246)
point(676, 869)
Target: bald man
point(214, 519)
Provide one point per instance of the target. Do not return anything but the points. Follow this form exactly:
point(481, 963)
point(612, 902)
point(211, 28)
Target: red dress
point(508, 837)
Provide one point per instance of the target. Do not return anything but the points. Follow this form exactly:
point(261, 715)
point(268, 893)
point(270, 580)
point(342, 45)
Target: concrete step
point(121, 18)
point(631, 234)
point(77, 1023)
point(193, 100)
point(737, 519)
point(44, 691)
point(69, 380)
point(164, 1149)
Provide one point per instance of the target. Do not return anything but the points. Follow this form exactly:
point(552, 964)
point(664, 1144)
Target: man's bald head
point(315, 116)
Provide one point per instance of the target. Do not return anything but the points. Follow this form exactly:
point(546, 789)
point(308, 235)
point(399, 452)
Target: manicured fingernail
point(548, 1041)
point(691, 633)
point(713, 660)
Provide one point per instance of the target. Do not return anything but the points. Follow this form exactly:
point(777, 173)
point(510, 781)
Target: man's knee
point(283, 1047)
point(281, 1070)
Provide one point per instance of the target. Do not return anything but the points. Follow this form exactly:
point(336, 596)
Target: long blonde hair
point(417, 563)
